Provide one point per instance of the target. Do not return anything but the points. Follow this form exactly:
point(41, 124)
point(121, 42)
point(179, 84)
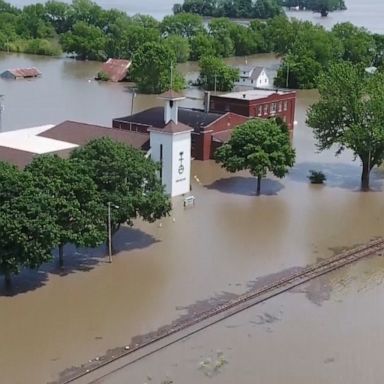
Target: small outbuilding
point(114, 70)
point(252, 76)
point(20, 73)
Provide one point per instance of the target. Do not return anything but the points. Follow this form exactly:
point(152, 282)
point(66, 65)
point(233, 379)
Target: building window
point(285, 105)
point(273, 108)
point(280, 106)
point(265, 109)
point(260, 110)
point(251, 81)
point(285, 119)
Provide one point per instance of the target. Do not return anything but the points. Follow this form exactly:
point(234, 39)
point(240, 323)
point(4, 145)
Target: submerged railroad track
point(98, 370)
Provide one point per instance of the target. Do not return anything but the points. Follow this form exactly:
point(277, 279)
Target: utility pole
point(133, 95)
point(1, 111)
point(287, 79)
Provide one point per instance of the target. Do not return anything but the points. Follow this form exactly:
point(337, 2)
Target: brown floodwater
point(54, 320)
point(328, 331)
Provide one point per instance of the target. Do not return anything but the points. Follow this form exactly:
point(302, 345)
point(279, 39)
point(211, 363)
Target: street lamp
point(110, 230)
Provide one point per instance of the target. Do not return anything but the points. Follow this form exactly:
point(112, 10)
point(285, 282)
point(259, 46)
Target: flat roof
point(28, 140)
point(253, 94)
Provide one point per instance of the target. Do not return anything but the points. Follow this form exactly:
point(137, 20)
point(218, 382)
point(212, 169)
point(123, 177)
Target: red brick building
point(205, 126)
point(257, 103)
point(214, 127)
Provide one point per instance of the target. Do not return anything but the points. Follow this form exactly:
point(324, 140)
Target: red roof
point(116, 69)
point(24, 72)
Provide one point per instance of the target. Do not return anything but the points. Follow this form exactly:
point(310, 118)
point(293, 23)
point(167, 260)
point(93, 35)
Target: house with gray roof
point(251, 76)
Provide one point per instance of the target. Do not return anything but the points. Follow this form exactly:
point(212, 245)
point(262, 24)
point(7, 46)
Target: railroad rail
point(199, 321)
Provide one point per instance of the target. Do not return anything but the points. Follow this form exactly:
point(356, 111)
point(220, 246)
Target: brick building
point(257, 103)
point(205, 125)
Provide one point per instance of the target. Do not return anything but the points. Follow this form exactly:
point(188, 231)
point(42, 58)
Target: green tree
point(151, 69)
point(59, 15)
point(358, 44)
point(216, 75)
point(260, 146)
point(179, 46)
point(77, 209)
point(220, 30)
point(182, 24)
point(27, 230)
point(86, 41)
point(350, 115)
point(201, 45)
point(125, 178)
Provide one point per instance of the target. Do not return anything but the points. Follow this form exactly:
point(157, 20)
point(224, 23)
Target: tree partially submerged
point(125, 178)
point(76, 208)
point(260, 146)
point(350, 114)
point(27, 228)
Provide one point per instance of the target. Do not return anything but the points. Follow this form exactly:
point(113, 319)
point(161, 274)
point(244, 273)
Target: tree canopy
point(153, 69)
point(77, 209)
point(215, 75)
point(28, 231)
point(260, 9)
point(125, 178)
point(350, 115)
point(260, 146)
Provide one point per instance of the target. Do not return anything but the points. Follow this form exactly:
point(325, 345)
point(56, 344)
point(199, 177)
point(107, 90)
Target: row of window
point(272, 108)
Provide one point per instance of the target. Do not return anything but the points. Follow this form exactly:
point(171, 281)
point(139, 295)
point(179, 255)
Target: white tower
point(171, 147)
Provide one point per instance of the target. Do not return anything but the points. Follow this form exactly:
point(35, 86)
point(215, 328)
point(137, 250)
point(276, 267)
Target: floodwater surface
point(292, 338)
point(53, 320)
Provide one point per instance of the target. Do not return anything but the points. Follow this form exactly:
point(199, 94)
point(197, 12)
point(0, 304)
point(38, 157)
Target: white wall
point(174, 182)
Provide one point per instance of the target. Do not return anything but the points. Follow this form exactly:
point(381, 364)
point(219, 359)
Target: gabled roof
point(81, 133)
point(173, 128)
point(245, 68)
point(24, 72)
point(256, 73)
point(171, 95)
point(116, 69)
point(154, 117)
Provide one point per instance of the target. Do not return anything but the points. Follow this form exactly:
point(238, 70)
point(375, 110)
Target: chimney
point(207, 101)
point(244, 95)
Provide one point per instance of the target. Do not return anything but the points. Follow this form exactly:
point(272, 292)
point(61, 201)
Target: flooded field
point(53, 320)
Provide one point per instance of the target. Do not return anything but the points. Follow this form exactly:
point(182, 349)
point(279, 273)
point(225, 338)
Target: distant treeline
point(87, 31)
point(254, 9)
point(249, 9)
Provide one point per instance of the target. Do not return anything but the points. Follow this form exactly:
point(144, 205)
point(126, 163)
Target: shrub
point(316, 177)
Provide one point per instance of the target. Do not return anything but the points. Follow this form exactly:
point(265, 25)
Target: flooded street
point(327, 331)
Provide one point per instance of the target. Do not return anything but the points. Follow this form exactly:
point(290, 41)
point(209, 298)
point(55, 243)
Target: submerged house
point(20, 73)
point(114, 70)
point(252, 76)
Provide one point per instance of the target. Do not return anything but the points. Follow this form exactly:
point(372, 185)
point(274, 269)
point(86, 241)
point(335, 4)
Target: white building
point(171, 147)
point(252, 76)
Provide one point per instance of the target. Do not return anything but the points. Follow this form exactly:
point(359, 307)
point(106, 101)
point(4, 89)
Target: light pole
point(1, 111)
point(110, 230)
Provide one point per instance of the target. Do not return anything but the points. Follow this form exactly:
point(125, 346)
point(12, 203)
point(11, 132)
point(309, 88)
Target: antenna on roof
point(171, 87)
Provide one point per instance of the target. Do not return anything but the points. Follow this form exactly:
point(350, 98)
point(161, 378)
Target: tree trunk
point(61, 255)
point(258, 185)
point(365, 176)
point(7, 279)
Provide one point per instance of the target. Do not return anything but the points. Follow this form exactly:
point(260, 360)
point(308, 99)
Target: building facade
point(257, 103)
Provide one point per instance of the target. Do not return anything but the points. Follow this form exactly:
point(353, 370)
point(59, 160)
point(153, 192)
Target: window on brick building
point(285, 105)
point(280, 106)
point(265, 109)
point(260, 110)
point(273, 107)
